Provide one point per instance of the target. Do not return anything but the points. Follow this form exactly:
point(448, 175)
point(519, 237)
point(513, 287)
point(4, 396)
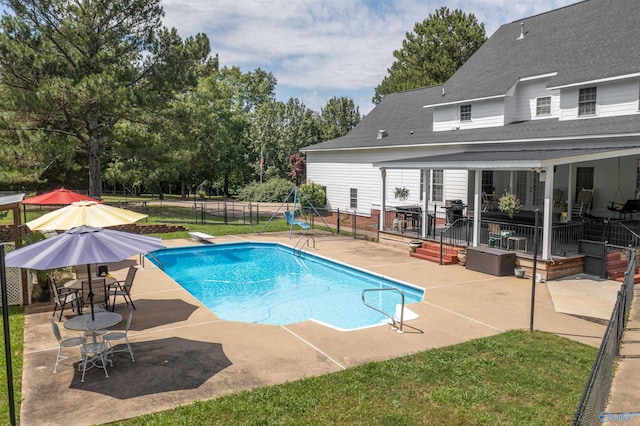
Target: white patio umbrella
point(80, 246)
point(84, 213)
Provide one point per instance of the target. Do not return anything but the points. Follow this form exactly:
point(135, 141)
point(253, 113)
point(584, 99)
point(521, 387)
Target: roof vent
point(382, 134)
point(521, 31)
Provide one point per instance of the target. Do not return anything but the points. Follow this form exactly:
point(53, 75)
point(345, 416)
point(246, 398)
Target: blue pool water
point(266, 283)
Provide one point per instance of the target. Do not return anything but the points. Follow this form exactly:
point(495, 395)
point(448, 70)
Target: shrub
point(271, 191)
point(314, 193)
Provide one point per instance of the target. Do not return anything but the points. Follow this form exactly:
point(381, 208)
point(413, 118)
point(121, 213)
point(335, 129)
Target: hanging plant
point(509, 204)
point(401, 193)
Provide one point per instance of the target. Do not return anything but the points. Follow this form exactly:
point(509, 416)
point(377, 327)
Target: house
point(549, 104)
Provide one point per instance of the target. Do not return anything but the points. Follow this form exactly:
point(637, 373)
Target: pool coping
point(170, 328)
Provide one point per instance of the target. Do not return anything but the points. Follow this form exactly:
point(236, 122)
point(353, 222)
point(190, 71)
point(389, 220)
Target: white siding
point(356, 171)
point(483, 114)
point(613, 99)
point(525, 101)
point(339, 178)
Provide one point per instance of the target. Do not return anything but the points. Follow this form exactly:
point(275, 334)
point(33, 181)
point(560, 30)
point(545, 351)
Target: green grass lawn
point(515, 378)
point(16, 332)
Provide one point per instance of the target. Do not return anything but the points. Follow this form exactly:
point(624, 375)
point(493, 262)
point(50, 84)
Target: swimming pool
point(266, 283)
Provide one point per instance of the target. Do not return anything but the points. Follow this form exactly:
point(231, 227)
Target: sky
point(319, 49)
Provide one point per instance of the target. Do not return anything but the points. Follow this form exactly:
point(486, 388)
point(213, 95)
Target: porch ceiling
point(508, 159)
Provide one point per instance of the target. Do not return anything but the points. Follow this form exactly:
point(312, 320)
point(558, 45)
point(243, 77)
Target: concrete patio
point(185, 353)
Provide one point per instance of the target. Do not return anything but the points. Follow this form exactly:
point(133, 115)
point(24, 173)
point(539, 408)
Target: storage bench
point(491, 260)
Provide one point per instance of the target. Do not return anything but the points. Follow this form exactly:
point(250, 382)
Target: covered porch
point(537, 177)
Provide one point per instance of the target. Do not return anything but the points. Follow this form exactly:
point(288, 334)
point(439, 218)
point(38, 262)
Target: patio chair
point(558, 205)
point(63, 344)
point(582, 206)
point(487, 202)
point(100, 295)
point(120, 335)
point(123, 288)
point(498, 234)
point(94, 353)
point(61, 297)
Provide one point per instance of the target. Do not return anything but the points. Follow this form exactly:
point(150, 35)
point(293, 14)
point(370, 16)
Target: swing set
point(290, 215)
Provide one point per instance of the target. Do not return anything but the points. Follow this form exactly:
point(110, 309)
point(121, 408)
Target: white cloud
point(322, 48)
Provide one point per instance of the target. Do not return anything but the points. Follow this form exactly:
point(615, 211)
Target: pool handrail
point(394, 326)
point(297, 249)
point(150, 254)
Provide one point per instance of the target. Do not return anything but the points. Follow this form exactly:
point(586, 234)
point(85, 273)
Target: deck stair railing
point(392, 317)
point(304, 241)
point(456, 234)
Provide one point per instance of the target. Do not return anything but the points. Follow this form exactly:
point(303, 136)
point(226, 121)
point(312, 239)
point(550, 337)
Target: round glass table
point(85, 323)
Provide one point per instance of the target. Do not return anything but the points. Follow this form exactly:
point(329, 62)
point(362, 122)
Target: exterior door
point(529, 190)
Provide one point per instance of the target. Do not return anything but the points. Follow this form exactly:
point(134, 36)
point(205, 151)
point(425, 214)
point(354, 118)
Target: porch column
point(547, 216)
point(570, 192)
point(477, 207)
point(383, 199)
point(425, 203)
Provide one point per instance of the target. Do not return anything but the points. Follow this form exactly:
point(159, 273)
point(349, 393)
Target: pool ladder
point(394, 326)
point(302, 242)
point(143, 255)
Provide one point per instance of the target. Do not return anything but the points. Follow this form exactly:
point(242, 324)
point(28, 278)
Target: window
point(587, 101)
point(421, 184)
point(584, 179)
point(487, 182)
point(437, 185)
point(465, 112)
point(353, 198)
point(543, 106)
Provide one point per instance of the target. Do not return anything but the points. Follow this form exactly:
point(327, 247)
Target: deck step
point(431, 252)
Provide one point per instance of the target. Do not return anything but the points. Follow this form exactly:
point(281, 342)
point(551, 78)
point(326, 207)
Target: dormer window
point(465, 112)
point(587, 101)
point(543, 106)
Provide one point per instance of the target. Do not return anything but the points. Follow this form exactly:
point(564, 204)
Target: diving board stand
point(201, 237)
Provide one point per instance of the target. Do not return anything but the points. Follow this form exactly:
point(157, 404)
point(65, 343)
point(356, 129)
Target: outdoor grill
point(454, 210)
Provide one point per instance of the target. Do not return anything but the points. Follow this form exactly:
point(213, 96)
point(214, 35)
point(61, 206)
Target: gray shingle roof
point(583, 42)
point(587, 41)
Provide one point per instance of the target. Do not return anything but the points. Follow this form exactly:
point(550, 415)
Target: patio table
point(85, 323)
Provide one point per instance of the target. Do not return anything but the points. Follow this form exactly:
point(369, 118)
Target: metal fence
point(226, 212)
point(596, 392)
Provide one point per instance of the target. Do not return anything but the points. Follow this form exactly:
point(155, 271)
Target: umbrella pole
point(93, 317)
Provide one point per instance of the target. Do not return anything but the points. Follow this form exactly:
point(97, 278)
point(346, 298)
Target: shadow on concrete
point(162, 365)
point(156, 313)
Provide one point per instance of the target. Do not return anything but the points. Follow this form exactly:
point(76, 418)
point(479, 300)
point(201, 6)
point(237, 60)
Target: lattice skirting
point(14, 286)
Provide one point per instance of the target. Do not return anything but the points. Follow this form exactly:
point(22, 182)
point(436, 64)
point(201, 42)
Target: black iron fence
point(590, 411)
point(226, 212)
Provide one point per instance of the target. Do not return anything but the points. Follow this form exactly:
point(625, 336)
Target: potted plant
point(509, 204)
point(401, 193)
point(462, 256)
point(415, 245)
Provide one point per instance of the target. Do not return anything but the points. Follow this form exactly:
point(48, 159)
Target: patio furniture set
point(78, 292)
point(96, 343)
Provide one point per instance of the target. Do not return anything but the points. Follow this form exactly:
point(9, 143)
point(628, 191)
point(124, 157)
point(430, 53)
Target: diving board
point(200, 236)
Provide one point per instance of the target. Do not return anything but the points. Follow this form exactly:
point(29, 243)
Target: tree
point(72, 70)
point(431, 54)
point(280, 130)
point(338, 117)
